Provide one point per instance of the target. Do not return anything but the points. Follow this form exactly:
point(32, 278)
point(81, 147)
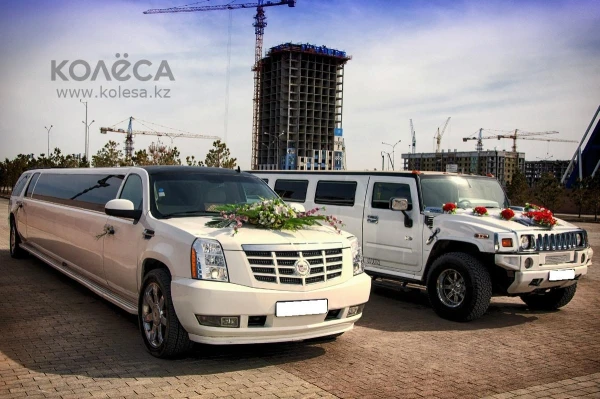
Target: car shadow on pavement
point(52, 324)
point(394, 308)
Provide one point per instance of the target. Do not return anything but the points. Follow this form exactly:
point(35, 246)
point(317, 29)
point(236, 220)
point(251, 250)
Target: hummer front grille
point(559, 241)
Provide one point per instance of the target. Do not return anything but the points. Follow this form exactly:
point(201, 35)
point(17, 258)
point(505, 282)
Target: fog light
point(528, 263)
point(219, 321)
point(355, 310)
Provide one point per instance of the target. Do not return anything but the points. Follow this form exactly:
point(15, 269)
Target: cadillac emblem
point(302, 267)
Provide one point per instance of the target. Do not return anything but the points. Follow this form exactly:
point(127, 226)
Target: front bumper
point(197, 297)
point(537, 277)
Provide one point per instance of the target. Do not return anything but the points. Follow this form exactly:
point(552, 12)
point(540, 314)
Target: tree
point(219, 156)
point(161, 155)
point(548, 191)
point(109, 156)
point(580, 193)
point(191, 161)
point(518, 191)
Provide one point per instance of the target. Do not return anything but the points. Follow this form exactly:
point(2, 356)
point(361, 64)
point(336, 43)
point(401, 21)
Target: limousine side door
point(389, 245)
point(122, 248)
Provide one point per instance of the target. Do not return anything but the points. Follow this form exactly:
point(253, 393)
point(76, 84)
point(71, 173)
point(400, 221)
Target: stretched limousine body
point(138, 238)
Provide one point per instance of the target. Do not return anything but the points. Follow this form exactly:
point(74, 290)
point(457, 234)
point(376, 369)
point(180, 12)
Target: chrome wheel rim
point(154, 317)
point(13, 238)
point(451, 288)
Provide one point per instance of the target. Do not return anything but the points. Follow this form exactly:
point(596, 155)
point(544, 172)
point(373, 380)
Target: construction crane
point(413, 137)
point(439, 135)
point(260, 22)
point(521, 136)
point(130, 133)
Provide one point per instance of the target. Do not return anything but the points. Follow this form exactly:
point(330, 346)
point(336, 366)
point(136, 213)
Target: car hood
point(493, 222)
point(248, 234)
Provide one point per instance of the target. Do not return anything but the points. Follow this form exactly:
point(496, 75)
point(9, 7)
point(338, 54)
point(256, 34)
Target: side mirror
point(297, 207)
point(401, 204)
point(122, 208)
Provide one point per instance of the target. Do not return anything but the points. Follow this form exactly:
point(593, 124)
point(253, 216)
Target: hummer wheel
point(459, 287)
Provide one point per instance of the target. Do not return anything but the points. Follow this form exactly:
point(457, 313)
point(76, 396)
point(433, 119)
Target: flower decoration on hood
point(480, 211)
point(449, 207)
point(271, 214)
point(507, 214)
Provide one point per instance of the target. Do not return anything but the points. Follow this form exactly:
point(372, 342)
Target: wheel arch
point(149, 264)
point(442, 247)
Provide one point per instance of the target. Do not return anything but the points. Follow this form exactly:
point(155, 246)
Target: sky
point(497, 65)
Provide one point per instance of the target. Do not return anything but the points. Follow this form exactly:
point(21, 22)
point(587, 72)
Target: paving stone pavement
point(57, 339)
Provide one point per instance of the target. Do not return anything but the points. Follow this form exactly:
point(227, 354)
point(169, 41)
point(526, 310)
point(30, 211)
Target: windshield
point(465, 191)
point(197, 194)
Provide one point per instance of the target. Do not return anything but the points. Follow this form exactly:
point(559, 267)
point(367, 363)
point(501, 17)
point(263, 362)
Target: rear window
point(89, 191)
point(291, 190)
point(336, 193)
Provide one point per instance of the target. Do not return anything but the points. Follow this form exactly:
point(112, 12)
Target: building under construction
point(300, 109)
point(502, 164)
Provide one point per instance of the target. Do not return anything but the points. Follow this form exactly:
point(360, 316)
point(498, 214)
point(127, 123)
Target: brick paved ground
point(57, 339)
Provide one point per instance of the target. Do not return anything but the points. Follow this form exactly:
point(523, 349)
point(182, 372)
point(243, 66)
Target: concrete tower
point(301, 97)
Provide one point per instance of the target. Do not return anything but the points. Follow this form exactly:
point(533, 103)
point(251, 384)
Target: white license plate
point(557, 275)
point(301, 308)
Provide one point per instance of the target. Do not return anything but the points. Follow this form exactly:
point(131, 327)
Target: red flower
point(543, 217)
point(449, 207)
point(507, 214)
point(480, 210)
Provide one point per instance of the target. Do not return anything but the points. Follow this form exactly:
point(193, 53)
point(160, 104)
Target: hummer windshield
point(465, 191)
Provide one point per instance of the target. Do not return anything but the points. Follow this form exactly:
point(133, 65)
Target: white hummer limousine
point(138, 238)
point(463, 259)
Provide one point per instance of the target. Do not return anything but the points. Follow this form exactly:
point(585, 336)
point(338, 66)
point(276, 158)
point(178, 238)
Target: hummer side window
point(383, 192)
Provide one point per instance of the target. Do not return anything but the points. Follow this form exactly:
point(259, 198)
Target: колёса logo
point(80, 70)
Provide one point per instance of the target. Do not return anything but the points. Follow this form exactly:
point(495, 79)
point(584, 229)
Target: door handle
point(372, 219)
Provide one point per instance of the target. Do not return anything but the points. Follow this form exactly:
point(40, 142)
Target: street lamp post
point(275, 137)
point(87, 135)
point(48, 130)
point(87, 143)
point(393, 152)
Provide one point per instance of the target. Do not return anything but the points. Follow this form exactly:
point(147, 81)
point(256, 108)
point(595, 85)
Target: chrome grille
point(558, 241)
point(279, 266)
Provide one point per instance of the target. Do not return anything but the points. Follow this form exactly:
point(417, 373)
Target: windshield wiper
point(183, 213)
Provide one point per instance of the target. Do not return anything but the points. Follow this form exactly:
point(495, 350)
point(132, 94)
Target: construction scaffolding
point(300, 103)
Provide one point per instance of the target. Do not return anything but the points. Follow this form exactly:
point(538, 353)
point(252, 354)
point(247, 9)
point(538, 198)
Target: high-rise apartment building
point(300, 109)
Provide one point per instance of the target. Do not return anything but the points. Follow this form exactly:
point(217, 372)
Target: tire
point(550, 300)
point(14, 242)
point(459, 287)
point(161, 331)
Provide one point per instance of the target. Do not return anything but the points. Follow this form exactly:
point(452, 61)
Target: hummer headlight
point(357, 261)
point(579, 239)
point(526, 242)
point(208, 260)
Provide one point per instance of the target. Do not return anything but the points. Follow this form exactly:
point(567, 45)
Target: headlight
point(357, 261)
point(208, 260)
point(527, 242)
point(579, 239)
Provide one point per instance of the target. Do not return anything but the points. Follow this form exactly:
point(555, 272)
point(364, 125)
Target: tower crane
point(521, 136)
point(260, 22)
point(130, 133)
point(439, 135)
point(413, 137)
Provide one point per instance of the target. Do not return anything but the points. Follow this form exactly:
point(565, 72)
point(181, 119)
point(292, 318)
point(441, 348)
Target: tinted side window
point(383, 192)
point(31, 185)
point(20, 184)
point(133, 191)
point(336, 193)
point(292, 190)
point(89, 191)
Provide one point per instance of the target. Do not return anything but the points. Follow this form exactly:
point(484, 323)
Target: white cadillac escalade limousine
point(138, 238)
point(462, 258)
